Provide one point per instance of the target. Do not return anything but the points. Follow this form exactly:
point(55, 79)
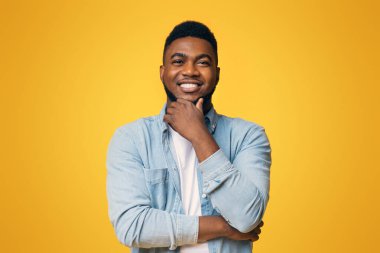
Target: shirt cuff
point(187, 230)
point(215, 166)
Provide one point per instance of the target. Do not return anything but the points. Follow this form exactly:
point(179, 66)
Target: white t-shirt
point(187, 162)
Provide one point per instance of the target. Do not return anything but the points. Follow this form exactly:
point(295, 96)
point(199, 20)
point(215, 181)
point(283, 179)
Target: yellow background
point(74, 71)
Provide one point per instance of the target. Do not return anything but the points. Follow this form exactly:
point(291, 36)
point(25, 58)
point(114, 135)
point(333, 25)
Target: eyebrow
point(196, 58)
point(178, 54)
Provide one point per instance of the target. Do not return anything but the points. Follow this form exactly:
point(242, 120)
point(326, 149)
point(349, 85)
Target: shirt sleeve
point(135, 222)
point(243, 182)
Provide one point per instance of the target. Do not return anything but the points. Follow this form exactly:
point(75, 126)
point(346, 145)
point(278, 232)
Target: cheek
point(210, 76)
point(170, 76)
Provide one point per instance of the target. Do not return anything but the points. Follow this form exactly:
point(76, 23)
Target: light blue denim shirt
point(143, 184)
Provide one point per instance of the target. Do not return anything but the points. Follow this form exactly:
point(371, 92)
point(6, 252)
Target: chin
point(191, 99)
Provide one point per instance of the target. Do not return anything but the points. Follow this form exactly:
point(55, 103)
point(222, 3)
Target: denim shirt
point(143, 184)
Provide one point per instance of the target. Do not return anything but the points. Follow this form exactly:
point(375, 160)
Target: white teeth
point(188, 85)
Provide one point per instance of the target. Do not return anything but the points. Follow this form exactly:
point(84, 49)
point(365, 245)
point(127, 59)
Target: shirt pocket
point(157, 181)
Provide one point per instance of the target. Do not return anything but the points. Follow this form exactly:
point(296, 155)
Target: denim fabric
point(143, 184)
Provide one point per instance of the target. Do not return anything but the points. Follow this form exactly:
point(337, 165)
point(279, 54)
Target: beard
point(206, 98)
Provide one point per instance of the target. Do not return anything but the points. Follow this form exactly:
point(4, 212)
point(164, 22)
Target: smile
point(189, 87)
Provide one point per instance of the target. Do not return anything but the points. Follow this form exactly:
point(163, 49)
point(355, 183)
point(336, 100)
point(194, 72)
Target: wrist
point(204, 146)
point(224, 228)
point(201, 137)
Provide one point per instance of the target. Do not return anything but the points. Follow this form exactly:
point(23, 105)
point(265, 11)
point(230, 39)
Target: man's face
point(189, 69)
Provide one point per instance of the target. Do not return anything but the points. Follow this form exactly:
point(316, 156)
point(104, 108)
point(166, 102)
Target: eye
point(204, 63)
point(177, 61)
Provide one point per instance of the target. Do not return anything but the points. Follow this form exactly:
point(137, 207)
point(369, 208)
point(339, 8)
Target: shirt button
point(204, 195)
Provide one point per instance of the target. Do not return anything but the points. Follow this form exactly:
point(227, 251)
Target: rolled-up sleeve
point(136, 223)
point(239, 190)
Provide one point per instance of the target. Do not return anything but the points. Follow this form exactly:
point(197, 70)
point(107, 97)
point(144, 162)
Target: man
point(188, 179)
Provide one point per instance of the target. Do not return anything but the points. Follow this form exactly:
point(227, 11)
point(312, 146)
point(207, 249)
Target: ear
point(162, 71)
point(217, 75)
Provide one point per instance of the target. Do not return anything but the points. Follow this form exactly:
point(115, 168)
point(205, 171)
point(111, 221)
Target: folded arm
point(243, 182)
point(139, 225)
point(136, 223)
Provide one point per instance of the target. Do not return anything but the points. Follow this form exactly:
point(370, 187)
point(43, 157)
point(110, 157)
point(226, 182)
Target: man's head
point(190, 63)
point(192, 29)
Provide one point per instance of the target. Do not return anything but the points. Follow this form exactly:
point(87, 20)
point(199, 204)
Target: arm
point(248, 175)
point(136, 223)
point(211, 227)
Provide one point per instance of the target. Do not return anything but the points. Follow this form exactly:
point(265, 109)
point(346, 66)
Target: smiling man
point(188, 179)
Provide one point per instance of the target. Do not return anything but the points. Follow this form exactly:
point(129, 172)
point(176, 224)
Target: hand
point(187, 119)
point(253, 235)
point(211, 227)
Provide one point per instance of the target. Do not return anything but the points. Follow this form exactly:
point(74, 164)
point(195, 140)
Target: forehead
point(190, 46)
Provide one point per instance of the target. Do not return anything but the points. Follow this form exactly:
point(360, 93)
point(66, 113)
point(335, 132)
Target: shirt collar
point(211, 119)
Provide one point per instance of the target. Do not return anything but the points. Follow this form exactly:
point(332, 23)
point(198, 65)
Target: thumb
point(199, 104)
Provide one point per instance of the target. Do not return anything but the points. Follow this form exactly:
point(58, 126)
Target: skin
point(191, 59)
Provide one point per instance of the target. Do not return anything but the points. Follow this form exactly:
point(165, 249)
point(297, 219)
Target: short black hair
point(192, 29)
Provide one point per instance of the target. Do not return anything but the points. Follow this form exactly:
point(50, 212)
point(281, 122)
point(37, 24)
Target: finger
point(261, 224)
point(254, 238)
point(167, 118)
point(199, 104)
point(170, 110)
point(173, 105)
point(257, 230)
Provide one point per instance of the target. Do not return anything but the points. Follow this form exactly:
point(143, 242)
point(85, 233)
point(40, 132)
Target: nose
point(190, 69)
